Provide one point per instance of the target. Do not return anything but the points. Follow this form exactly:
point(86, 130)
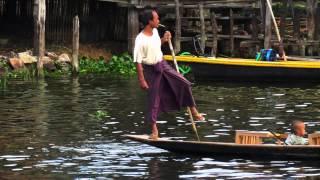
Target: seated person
point(297, 138)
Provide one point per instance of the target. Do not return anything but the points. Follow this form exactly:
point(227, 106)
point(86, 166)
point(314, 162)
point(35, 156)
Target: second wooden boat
point(249, 69)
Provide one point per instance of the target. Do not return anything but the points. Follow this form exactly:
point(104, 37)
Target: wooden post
point(296, 26)
point(263, 14)
point(283, 19)
point(39, 15)
point(268, 28)
point(318, 29)
point(214, 35)
point(133, 27)
point(296, 35)
point(231, 33)
point(203, 28)
point(75, 44)
point(255, 30)
point(177, 40)
point(311, 21)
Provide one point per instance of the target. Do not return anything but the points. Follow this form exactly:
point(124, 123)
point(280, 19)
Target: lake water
point(71, 128)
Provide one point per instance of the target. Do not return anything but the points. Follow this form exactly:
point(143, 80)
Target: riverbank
point(58, 62)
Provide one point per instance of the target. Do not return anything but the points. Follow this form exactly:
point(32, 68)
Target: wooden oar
point(276, 28)
point(275, 135)
point(188, 108)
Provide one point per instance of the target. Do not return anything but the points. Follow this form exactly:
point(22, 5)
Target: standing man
point(167, 89)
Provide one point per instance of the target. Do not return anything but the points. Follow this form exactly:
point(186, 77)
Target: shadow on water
point(72, 128)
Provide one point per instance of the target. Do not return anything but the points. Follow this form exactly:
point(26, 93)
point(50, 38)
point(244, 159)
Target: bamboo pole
point(188, 108)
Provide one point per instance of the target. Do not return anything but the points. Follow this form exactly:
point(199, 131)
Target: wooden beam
point(296, 34)
point(214, 26)
point(39, 32)
point(267, 28)
point(311, 21)
point(283, 19)
point(255, 30)
point(263, 14)
point(231, 33)
point(75, 45)
point(177, 40)
point(192, 6)
point(133, 27)
point(203, 28)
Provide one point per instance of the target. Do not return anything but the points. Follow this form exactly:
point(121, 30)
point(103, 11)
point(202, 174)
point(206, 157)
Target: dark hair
point(146, 15)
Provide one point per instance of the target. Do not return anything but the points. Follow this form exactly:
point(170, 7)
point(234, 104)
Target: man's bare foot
point(154, 136)
point(199, 117)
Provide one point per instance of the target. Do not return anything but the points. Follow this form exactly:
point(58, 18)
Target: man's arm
point(143, 83)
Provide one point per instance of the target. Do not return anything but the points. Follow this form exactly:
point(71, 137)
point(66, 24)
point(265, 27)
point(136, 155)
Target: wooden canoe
point(232, 149)
point(249, 69)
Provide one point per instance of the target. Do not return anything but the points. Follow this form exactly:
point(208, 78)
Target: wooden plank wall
point(16, 18)
point(99, 21)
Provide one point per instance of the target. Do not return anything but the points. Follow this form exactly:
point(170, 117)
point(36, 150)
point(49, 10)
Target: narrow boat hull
point(250, 70)
point(232, 149)
point(249, 73)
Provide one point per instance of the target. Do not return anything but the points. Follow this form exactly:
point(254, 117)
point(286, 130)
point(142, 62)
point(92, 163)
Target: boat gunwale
point(143, 138)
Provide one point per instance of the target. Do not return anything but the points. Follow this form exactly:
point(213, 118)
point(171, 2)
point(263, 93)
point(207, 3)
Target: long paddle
point(177, 69)
point(277, 29)
point(274, 134)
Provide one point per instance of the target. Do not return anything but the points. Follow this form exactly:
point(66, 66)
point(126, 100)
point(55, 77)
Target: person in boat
point(167, 90)
point(297, 138)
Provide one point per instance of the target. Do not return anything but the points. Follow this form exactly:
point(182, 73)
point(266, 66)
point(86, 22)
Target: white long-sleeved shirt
point(147, 49)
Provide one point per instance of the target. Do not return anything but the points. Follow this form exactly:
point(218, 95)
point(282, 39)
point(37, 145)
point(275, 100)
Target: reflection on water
point(49, 129)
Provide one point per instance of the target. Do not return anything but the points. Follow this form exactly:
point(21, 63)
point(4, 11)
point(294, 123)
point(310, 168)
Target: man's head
point(299, 128)
point(149, 17)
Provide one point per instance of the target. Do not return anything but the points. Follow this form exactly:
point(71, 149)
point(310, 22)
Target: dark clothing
point(168, 90)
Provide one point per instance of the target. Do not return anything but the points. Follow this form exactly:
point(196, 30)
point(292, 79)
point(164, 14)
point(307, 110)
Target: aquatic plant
point(122, 64)
point(100, 114)
point(3, 82)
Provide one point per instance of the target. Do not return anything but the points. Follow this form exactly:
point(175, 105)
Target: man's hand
point(144, 85)
point(166, 37)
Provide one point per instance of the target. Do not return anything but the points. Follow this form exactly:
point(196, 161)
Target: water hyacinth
point(122, 64)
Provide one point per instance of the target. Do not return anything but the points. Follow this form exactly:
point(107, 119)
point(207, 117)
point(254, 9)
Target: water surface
point(51, 129)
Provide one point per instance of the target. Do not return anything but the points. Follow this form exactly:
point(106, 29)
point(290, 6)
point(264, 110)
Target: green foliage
point(122, 64)
point(3, 83)
point(24, 73)
point(99, 115)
